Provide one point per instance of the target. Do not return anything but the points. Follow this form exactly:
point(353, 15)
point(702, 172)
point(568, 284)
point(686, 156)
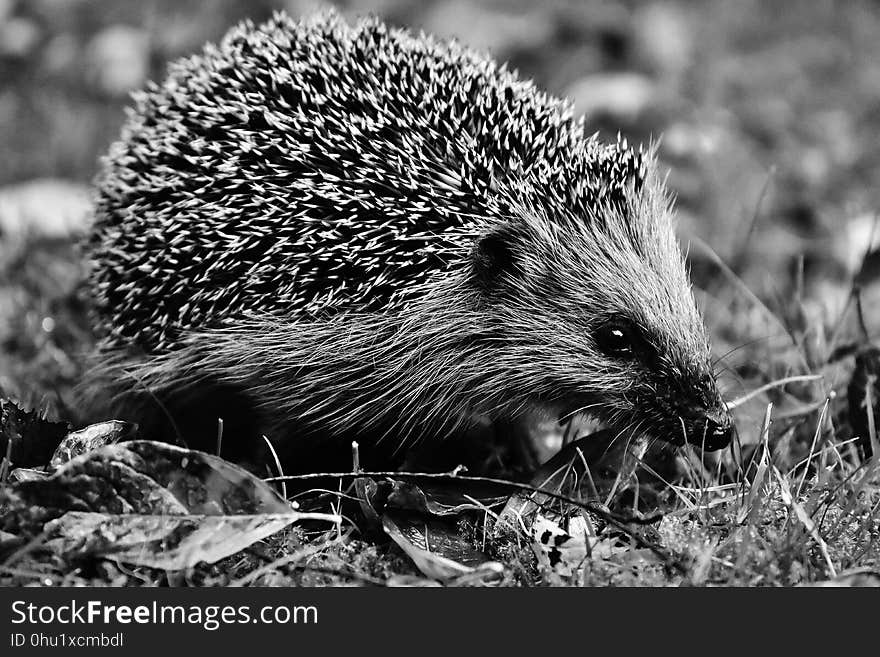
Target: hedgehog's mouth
point(707, 430)
point(707, 427)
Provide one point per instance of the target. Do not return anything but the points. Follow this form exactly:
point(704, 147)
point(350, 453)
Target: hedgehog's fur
point(364, 229)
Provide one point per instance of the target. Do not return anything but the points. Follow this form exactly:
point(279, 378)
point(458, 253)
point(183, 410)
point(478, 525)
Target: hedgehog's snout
point(701, 418)
point(713, 431)
point(710, 429)
point(708, 423)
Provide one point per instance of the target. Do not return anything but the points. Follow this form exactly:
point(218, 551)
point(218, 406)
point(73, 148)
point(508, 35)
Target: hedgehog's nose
point(714, 432)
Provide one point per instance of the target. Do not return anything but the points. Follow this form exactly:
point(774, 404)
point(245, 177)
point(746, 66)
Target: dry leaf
point(77, 443)
point(589, 468)
point(140, 477)
point(564, 552)
point(167, 542)
point(438, 552)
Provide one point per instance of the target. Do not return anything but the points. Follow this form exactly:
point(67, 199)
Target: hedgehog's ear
point(493, 256)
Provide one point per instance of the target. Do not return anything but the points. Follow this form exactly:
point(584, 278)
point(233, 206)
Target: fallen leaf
point(565, 552)
point(437, 551)
point(139, 477)
point(77, 443)
point(590, 468)
point(27, 474)
point(167, 542)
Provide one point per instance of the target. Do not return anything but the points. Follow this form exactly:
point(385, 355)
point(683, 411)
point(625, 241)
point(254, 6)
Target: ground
point(766, 115)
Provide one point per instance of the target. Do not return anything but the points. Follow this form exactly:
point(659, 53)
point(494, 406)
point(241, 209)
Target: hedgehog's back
point(308, 168)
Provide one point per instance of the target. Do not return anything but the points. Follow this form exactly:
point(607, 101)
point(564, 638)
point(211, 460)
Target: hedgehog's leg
point(211, 417)
point(217, 418)
point(518, 434)
point(204, 414)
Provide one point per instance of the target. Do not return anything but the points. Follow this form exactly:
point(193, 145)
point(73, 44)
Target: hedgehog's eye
point(618, 338)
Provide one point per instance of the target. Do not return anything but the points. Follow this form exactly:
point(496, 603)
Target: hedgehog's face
point(608, 326)
point(674, 396)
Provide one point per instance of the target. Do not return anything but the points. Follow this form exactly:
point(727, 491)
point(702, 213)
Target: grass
point(769, 122)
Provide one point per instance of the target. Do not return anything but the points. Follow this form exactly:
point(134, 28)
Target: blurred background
point(768, 115)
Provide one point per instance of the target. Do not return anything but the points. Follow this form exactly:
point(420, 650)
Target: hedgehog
point(323, 231)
